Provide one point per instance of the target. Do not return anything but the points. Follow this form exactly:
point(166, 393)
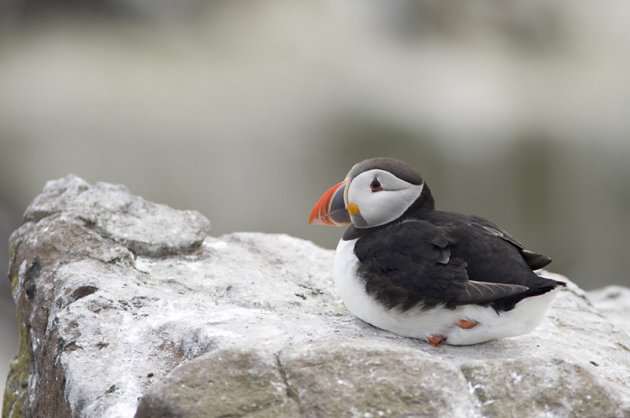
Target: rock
point(614, 303)
point(142, 227)
point(127, 308)
point(227, 383)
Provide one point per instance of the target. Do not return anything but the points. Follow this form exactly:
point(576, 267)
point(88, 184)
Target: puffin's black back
point(433, 260)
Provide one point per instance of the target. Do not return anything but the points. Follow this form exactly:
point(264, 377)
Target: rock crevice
point(290, 390)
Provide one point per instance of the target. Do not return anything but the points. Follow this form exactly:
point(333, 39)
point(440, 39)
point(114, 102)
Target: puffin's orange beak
point(330, 209)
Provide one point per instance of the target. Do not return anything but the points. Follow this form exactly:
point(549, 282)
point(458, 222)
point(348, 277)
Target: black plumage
point(428, 258)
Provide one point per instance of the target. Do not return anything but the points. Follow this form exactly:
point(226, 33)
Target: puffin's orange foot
point(466, 324)
point(435, 340)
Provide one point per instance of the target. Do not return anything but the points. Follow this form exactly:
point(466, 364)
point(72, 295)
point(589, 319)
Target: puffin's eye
point(375, 186)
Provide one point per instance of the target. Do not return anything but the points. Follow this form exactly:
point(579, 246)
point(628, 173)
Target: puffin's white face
point(376, 197)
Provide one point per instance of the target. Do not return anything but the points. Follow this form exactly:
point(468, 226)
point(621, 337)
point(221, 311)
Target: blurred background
point(517, 111)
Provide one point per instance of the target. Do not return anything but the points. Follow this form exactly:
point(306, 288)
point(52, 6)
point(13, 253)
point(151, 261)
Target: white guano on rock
point(128, 308)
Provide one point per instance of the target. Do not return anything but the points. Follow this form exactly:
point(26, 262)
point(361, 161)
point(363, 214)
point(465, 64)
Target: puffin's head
point(375, 192)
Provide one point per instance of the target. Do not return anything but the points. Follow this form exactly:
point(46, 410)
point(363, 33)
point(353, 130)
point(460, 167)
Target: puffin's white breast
point(420, 323)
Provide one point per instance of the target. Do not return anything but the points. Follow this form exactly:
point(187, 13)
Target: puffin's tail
point(548, 286)
point(545, 285)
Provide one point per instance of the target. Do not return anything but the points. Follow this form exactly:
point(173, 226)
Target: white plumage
point(418, 323)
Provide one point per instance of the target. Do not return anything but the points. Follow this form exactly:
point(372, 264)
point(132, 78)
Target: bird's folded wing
point(486, 292)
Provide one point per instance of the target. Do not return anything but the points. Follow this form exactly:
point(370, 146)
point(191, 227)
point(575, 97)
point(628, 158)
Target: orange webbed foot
point(466, 324)
point(435, 340)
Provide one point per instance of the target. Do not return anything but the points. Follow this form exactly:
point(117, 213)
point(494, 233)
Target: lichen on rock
point(15, 391)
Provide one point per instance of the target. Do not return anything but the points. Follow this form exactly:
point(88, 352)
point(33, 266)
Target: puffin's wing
point(534, 260)
point(410, 263)
point(486, 292)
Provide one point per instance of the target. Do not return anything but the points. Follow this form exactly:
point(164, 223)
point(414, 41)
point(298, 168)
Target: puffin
point(445, 277)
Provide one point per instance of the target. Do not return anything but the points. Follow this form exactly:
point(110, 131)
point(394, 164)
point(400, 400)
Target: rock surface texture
point(128, 308)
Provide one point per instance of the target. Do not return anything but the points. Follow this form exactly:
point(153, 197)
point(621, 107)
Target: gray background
point(514, 111)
